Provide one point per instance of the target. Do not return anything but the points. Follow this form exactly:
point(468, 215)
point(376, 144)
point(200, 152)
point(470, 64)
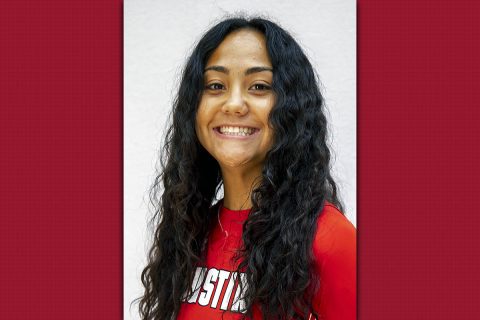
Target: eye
point(260, 87)
point(214, 86)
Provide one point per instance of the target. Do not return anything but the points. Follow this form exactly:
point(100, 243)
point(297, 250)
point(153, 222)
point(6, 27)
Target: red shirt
point(216, 283)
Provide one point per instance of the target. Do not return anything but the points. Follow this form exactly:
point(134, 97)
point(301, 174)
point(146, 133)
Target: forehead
point(242, 48)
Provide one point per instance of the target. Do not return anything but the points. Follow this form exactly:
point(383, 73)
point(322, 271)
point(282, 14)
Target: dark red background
point(61, 159)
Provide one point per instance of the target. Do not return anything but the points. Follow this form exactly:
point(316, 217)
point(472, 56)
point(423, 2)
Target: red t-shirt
point(216, 283)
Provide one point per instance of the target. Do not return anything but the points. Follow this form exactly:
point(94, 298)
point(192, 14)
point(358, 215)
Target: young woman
point(249, 116)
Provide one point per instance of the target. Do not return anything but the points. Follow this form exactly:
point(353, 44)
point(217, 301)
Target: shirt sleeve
point(335, 250)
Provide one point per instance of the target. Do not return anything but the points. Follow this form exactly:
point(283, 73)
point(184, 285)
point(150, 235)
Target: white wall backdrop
point(159, 35)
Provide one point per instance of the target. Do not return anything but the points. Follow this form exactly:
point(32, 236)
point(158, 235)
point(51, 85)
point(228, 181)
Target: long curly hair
point(296, 181)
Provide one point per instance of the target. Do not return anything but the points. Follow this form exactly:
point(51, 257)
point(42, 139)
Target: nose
point(235, 104)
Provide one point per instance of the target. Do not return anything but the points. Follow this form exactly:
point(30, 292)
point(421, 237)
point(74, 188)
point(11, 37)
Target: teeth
point(236, 131)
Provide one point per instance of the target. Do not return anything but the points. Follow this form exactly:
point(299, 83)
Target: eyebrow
point(247, 72)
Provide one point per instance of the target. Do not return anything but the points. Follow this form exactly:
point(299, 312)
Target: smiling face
point(232, 117)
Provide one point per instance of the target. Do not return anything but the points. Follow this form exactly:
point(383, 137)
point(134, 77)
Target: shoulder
point(334, 249)
point(334, 234)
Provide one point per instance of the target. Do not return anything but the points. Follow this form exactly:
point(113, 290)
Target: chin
point(234, 163)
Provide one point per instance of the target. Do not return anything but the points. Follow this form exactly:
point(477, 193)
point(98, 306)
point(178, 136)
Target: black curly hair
point(295, 183)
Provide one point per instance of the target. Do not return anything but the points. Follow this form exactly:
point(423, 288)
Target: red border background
point(61, 159)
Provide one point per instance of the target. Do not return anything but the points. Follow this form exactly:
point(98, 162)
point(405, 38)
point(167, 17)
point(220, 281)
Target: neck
point(238, 186)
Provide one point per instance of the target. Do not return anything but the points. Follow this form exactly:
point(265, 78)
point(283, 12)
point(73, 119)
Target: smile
point(236, 131)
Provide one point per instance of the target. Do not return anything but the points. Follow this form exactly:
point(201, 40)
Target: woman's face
point(232, 118)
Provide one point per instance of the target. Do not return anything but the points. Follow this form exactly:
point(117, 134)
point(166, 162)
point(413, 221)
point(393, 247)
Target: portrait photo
point(239, 160)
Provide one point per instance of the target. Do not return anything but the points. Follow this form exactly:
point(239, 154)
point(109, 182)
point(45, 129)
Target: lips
point(236, 130)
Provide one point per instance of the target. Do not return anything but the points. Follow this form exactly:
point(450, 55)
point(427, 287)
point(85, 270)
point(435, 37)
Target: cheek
point(201, 123)
point(198, 130)
point(269, 137)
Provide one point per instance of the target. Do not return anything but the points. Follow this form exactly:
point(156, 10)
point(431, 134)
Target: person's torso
point(216, 284)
